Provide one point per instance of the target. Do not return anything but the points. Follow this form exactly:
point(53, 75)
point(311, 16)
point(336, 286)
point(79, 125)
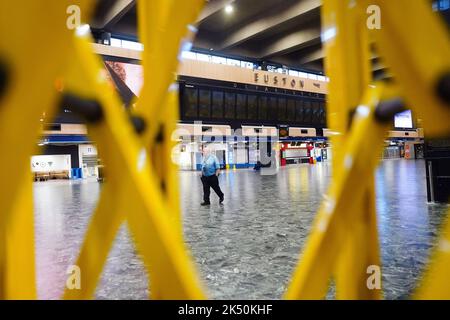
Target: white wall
point(87, 150)
point(50, 163)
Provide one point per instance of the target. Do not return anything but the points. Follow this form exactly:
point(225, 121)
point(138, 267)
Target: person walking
point(210, 174)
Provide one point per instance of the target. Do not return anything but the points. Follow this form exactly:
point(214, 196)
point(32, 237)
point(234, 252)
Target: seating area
point(54, 175)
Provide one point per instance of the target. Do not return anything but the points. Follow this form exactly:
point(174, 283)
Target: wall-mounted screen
point(403, 120)
point(307, 112)
point(262, 110)
point(190, 102)
point(282, 109)
point(315, 118)
point(273, 111)
point(291, 110)
point(252, 103)
point(217, 104)
point(130, 74)
point(204, 103)
point(299, 111)
point(241, 106)
point(230, 105)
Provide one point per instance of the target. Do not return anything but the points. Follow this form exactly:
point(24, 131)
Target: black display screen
point(204, 105)
point(282, 109)
point(307, 112)
point(315, 112)
point(252, 103)
point(273, 111)
point(299, 111)
point(262, 110)
point(323, 118)
point(230, 105)
point(241, 106)
point(291, 110)
point(217, 104)
point(190, 102)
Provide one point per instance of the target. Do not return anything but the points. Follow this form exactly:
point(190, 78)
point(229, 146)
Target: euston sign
point(277, 80)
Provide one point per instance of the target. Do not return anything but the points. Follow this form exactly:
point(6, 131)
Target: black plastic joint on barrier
point(139, 124)
point(91, 110)
point(386, 110)
point(351, 115)
point(3, 78)
point(163, 187)
point(160, 136)
point(443, 88)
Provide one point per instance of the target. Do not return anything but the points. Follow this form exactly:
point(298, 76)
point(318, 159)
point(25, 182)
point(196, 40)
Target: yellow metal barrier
point(141, 182)
point(344, 241)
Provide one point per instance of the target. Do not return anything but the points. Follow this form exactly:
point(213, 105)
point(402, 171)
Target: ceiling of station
point(285, 32)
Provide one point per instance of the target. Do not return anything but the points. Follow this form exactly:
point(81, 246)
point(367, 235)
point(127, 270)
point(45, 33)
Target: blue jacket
point(210, 165)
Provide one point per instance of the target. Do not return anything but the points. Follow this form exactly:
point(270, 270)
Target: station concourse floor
point(247, 248)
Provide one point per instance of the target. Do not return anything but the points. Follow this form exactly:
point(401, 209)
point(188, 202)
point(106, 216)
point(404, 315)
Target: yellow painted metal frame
point(132, 192)
point(344, 240)
point(141, 187)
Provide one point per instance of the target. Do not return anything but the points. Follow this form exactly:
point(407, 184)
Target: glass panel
point(230, 105)
point(219, 60)
point(217, 105)
point(116, 42)
point(291, 110)
point(307, 112)
point(232, 62)
point(299, 116)
point(323, 113)
point(190, 102)
point(189, 55)
point(241, 106)
point(281, 109)
point(273, 112)
point(203, 57)
point(252, 107)
point(315, 112)
point(204, 103)
point(262, 110)
point(132, 45)
point(303, 75)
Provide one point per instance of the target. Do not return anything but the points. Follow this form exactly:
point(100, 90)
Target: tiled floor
point(247, 248)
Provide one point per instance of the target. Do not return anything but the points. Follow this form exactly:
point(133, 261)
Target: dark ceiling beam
point(212, 8)
point(269, 22)
point(292, 42)
point(320, 55)
point(114, 14)
point(312, 56)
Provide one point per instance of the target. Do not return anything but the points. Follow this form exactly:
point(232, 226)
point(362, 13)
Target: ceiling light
point(229, 9)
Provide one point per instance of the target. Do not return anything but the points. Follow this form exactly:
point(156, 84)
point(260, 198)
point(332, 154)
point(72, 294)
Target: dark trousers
point(211, 182)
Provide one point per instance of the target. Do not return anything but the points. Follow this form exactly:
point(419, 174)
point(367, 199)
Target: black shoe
point(221, 200)
point(205, 203)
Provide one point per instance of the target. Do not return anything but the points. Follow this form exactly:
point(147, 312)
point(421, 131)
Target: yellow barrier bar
point(21, 278)
point(360, 238)
point(163, 19)
point(29, 93)
point(141, 182)
point(325, 241)
point(160, 60)
point(140, 197)
point(436, 283)
point(416, 47)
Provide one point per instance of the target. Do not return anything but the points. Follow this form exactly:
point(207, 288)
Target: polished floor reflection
point(247, 248)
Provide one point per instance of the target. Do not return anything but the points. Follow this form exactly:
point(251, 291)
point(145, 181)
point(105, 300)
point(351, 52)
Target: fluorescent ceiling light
point(229, 9)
